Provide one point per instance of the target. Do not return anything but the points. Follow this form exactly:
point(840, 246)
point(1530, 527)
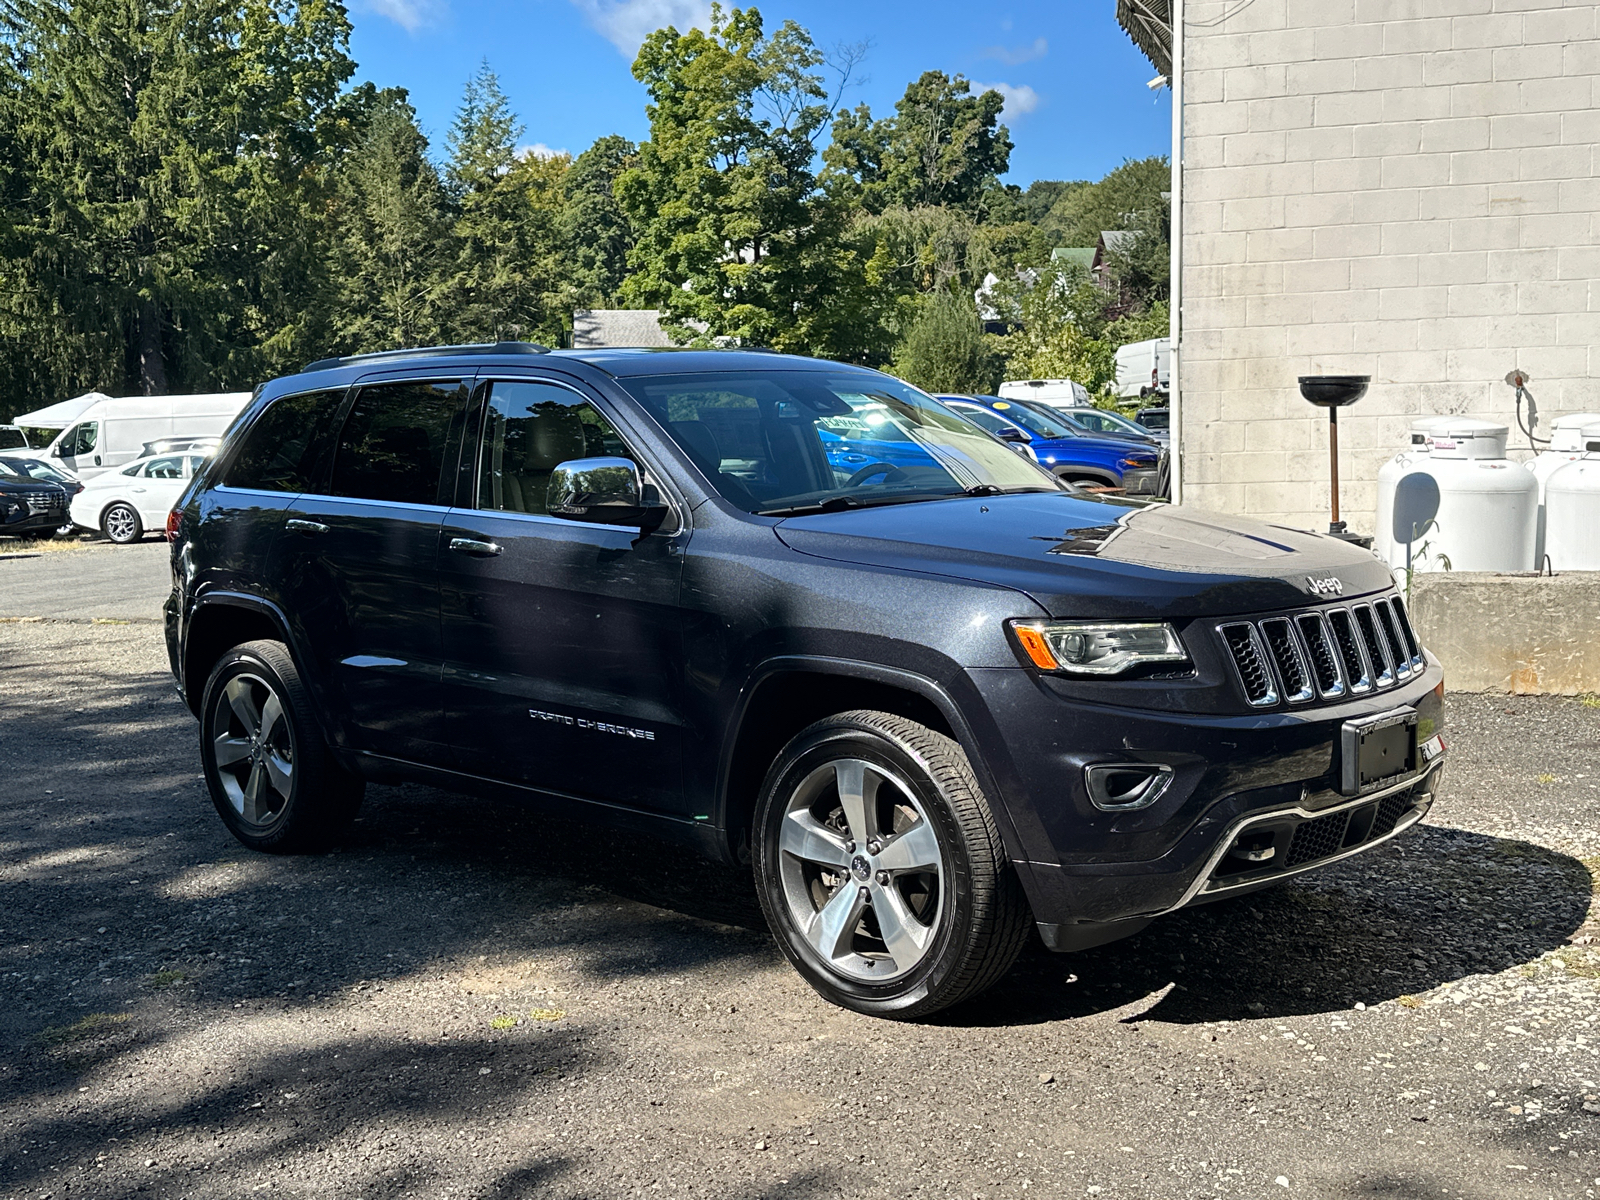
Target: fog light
point(1121, 787)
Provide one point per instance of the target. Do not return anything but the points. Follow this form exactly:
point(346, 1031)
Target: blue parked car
point(1092, 459)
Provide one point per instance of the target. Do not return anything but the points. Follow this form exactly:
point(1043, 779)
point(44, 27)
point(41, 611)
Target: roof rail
point(323, 364)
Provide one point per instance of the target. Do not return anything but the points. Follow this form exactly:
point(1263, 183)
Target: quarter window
point(530, 428)
point(279, 449)
point(393, 443)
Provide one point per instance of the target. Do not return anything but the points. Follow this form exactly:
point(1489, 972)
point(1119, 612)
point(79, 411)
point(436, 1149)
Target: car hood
point(1088, 557)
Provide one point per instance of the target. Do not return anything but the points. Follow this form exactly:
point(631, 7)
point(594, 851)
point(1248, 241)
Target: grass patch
point(90, 1026)
point(546, 1014)
point(505, 1021)
point(163, 979)
point(1409, 1002)
point(1546, 778)
point(1589, 701)
point(39, 545)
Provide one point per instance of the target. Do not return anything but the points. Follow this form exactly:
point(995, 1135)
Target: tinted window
point(1034, 421)
point(279, 449)
point(12, 439)
point(530, 429)
point(393, 443)
point(984, 419)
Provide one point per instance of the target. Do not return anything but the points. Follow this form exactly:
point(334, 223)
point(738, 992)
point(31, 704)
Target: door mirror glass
point(606, 491)
point(1010, 433)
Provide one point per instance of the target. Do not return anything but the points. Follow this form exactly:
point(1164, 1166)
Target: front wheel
point(880, 869)
point(121, 524)
point(271, 776)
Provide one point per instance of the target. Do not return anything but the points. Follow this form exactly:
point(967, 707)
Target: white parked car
point(123, 504)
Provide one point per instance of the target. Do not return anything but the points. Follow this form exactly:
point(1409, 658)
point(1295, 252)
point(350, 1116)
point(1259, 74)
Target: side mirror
point(55, 450)
point(604, 491)
point(1010, 433)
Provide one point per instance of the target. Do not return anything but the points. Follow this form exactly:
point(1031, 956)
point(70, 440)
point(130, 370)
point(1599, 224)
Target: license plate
point(1375, 750)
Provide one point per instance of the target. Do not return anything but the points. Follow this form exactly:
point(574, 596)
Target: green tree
point(392, 244)
point(944, 147)
point(735, 237)
point(595, 230)
point(166, 168)
point(504, 237)
point(1132, 197)
point(944, 349)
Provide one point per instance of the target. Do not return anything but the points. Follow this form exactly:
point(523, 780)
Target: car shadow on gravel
point(1434, 907)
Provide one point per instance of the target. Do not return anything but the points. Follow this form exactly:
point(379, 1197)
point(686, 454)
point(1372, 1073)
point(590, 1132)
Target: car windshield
point(1035, 419)
point(786, 442)
point(29, 468)
point(1155, 418)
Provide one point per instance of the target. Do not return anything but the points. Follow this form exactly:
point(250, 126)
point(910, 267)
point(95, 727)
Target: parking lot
point(468, 1001)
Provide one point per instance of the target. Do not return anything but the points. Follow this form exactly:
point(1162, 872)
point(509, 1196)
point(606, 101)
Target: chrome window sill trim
point(1406, 821)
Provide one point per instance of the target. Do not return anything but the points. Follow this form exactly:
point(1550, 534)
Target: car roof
point(617, 361)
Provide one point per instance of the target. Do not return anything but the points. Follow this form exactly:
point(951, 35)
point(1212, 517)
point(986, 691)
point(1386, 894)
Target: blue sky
point(1077, 104)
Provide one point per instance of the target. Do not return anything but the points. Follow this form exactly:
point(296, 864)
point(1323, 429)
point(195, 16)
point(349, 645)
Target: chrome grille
point(39, 505)
point(1323, 654)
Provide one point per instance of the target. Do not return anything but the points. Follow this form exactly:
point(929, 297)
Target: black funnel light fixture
point(1334, 392)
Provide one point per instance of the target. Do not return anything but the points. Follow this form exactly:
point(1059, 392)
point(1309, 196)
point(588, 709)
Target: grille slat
point(1323, 653)
point(1244, 643)
point(1280, 639)
point(1390, 632)
point(1375, 646)
point(1356, 669)
point(1319, 647)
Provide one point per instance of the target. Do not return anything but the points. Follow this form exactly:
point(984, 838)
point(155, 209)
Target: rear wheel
point(880, 869)
point(121, 524)
point(271, 776)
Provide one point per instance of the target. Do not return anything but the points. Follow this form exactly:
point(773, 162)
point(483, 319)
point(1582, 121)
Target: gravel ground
point(84, 580)
point(468, 1001)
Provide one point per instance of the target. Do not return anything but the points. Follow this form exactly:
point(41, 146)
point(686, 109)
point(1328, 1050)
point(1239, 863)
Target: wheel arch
point(786, 694)
point(220, 621)
point(1098, 474)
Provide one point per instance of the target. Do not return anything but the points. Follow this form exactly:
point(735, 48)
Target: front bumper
point(1142, 481)
point(1270, 780)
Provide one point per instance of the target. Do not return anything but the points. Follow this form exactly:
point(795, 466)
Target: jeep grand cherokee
point(934, 699)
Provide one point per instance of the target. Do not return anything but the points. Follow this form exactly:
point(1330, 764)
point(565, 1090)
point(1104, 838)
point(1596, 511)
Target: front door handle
point(474, 546)
point(296, 525)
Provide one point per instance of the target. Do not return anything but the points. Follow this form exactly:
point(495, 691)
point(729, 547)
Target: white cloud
point(540, 150)
point(1012, 55)
point(1019, 97)
point(410, 15)
point(626, 23)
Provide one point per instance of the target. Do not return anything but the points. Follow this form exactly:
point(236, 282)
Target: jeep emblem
point(1331, 586)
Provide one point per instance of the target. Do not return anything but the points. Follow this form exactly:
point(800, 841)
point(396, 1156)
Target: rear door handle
point(474, 546)
point(296, 525)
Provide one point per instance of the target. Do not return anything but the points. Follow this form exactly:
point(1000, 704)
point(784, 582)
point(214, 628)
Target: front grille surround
point(1323, 654)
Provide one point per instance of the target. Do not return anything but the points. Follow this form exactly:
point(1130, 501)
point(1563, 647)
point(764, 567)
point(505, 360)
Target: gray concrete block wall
point(1405, 189)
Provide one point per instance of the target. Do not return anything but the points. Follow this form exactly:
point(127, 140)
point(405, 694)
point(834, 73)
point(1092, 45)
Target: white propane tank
point(1488, 505)
point(1572, 506)
point(1389, 476)
point(1566, 444)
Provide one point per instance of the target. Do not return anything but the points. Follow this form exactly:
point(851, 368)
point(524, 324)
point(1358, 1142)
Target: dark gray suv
point(795, 614)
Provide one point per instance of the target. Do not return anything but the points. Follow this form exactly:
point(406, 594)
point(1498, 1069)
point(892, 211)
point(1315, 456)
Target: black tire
point(121, 523)
point(981, 920)
point(314, 807)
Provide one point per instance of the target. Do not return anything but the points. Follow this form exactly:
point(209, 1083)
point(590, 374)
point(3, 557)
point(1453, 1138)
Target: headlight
point(1098, 648)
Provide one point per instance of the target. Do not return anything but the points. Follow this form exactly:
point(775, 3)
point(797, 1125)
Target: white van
point(112, 432)
point(1050, 391)
point(1144, 369)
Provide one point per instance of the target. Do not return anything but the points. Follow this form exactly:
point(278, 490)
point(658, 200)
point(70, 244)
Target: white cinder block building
point(1405, 189)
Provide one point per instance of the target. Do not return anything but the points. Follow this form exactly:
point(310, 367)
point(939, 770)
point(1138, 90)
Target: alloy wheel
point(253, 747)
point(121, 523)
point(861, 870)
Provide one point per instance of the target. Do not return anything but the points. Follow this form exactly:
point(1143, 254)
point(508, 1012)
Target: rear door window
point(279, 450)
point(393, 443)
